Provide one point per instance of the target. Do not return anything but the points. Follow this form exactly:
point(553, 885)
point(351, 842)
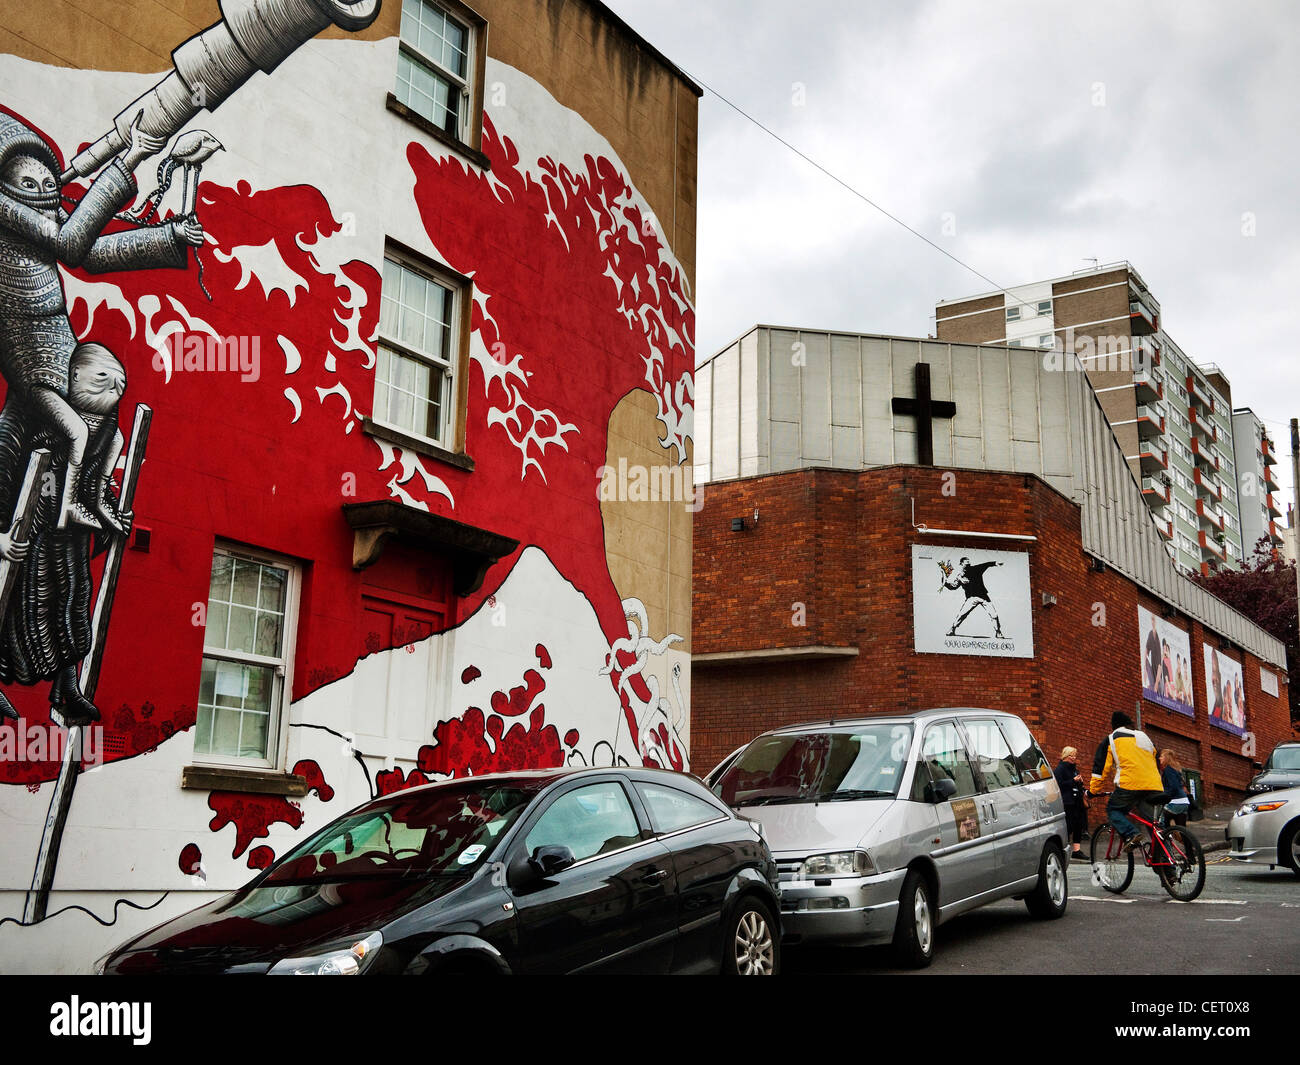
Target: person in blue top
point(1177, 801)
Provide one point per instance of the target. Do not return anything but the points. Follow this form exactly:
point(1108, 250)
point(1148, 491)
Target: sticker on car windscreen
point(470, 854)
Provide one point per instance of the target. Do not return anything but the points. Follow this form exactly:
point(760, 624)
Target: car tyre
point(751, 944)
point(1288, 847)
point(1052, 892)
point(914, 932)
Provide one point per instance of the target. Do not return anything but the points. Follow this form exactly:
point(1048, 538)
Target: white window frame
point(278, 742)
point(464, 85)
point(1044, 307)
point(450, 414)
point(1013, 314)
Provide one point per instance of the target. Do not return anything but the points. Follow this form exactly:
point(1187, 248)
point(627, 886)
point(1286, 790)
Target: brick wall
point(840, 543)
point(972, 321)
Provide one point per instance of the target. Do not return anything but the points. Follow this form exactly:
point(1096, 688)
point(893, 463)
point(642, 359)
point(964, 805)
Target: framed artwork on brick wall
point(970, 601)
point(1167, 666)
point(1225, 691)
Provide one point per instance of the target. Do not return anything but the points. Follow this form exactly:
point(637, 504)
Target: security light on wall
point(1049, 599)
point(737, 524)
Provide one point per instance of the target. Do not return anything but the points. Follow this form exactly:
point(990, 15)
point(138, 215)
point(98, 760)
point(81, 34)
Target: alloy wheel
point(1055, 879)
point(921, 915)
point(755, 954)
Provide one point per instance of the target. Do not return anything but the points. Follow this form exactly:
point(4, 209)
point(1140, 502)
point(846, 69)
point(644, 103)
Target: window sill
point(417, 444)
point(233, 778)
point(440, 135)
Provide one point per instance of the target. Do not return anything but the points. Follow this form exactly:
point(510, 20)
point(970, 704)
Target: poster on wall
point(968, 601)
point(1225, 691)
point(1166, 652)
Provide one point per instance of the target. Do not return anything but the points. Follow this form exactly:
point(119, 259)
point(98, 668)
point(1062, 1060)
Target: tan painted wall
point(648, 543)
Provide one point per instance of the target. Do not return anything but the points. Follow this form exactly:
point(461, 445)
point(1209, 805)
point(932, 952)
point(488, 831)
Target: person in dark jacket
point(1072, 795)
point(1176, 800)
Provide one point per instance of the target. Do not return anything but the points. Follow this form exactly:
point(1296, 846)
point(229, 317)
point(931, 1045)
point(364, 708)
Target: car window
point(672, 809)
point(591, 820)
point(449, 829)
point(992, 755)
point(842, 764)
point(943, 755)
point(1285, 758)
point(1028, 754)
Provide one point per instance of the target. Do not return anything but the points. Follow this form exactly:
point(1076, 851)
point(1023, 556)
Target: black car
point(610, 870)
point(1282, 770)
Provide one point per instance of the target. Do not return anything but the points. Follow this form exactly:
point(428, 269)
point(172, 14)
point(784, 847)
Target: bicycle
point(1172, 852)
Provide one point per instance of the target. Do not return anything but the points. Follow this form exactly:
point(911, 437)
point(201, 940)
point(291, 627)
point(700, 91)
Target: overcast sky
point(1050, 133)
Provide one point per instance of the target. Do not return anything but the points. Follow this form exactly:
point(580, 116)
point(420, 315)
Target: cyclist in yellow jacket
point(1132, 755)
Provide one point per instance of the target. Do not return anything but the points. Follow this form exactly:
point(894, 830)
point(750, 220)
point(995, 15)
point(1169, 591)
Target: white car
point(1266, 830)
point(884, 827)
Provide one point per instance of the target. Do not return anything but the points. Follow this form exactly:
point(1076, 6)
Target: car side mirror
point(549, 860)
point(940, 790)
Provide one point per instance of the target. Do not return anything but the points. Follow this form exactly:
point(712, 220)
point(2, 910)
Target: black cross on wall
point(925, 409)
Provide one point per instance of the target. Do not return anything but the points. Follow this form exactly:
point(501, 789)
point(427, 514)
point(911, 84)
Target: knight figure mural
point(62, 395)
point(60, 440)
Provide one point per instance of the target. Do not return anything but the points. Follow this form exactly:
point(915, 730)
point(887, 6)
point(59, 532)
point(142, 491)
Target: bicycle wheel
point(1112, 865)
point(1185, 877)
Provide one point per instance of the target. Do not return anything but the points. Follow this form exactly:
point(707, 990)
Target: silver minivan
point(884, 827)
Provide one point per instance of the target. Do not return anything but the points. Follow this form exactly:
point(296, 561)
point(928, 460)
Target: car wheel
point(752, 944)
point(1050, 895)
point(1288, 849)
point(914, 932)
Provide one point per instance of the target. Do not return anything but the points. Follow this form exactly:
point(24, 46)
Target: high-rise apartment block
point(1258, 492)
point(1172, 417)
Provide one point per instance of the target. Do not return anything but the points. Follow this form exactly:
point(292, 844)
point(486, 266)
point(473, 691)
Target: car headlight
point(1261, 807)
point(841, 863)
point(332, 961)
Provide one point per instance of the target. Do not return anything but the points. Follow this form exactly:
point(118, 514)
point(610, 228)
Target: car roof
point(907, 717)
point(549, 776)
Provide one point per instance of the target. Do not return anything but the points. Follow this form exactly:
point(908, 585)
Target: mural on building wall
point(1225, 691)
point(1166, 663)
point(61, 396)
point(579, 673)
point(971, 601)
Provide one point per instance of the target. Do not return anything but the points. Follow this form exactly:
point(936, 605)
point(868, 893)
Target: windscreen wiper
point(773, 800)
point(842, 796)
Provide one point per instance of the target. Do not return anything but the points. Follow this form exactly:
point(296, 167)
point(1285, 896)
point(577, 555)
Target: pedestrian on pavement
point(1176, 800)
point(1072, 795)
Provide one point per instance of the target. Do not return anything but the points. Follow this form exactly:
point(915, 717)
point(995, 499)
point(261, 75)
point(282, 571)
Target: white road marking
point(1210, 902)
point(1225, 920)
point(1098, 898)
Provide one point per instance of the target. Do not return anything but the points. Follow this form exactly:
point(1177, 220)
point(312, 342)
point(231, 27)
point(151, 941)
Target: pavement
point(1210, 829)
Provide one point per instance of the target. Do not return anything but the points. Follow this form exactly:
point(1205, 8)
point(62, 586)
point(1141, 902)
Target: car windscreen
point(834, 765)
point(445, 830)
point(1285, 758)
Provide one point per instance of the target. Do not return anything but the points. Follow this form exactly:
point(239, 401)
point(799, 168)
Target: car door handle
point(654, 875)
